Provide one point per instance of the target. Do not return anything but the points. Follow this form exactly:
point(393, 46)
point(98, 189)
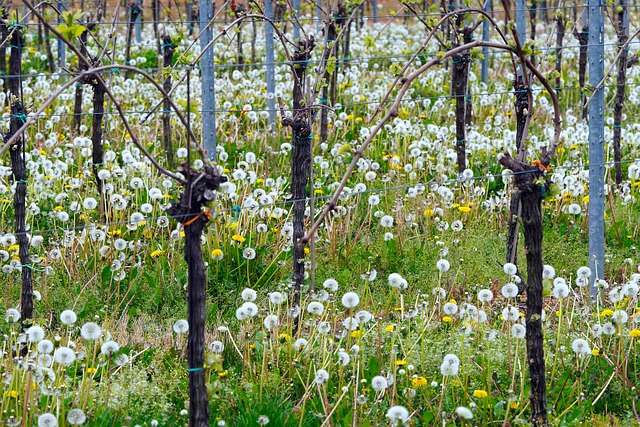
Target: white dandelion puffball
point(47, 420)
point(584, 272)
point(181, 326)
point(321, 377)
point(331, 285)
point(450, 308)
point(450, 365)
point(90, 331)
point(350, 300)
point(76, 417)
point(64, 356)
point(464, 413)
point(11, 315)
point(216, 347)
point(379, 383)
point(510, 269)
point(561, 290)
point(45, 347)
point(619, 317)
point(397, 281)
point(315, 308)
point(581, 347)
point(398, 414)
point(35, 334)
point(518, 331)
point(548, 272)
point(510, 290)
point(443, 265)
point(386, 221)
point(109, 348)
point(271, 321)
point(485, 295)
point(510, 314)
point(249, 295)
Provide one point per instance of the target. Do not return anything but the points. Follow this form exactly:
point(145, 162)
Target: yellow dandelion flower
point(480, 394)
point(596, 352)
point(13, 394)
point(606, 312)
point(238, 238)
point(447, 319)
point(634, 333)
point(157, 253)
point(419, 382)
point(389, 328)
point(401, 362)
point(513, 406)
point(356, 334)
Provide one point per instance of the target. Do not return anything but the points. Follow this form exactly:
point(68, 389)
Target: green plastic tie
point(33, 268)
point(195, 369)
point(21, 116)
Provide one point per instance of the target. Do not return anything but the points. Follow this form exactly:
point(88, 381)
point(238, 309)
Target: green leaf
point(331, 64)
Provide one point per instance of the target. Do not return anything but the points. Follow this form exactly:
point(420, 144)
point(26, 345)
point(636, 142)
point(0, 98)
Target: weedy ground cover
point(408, 313)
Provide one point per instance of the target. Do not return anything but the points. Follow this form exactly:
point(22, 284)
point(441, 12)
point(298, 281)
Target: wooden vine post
point(622, 31)
point(300, 163)
point(19, 171)
point(189, 211)
point(168, 48)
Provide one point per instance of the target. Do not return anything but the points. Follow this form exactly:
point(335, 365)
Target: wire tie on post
point(195, 369)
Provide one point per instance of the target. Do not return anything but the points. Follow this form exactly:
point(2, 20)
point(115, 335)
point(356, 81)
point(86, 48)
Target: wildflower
point(157, 253)
point(398, 282)
point(464, 413)
point(76, 417)
point(398, 413)
point(181, 326)
point(300, 344)
point(64, 356)
point(330, 284)
point(480, 394)
point(608, 329)
point(510, 314)
point(386, 221)
point(364, 316)
point(45, 347)
point(249, 294)
point(606, 312)
point(47, 420)
point(510, 269)
point(324, 327)
point(634, 333)
point(217, 254)
point(350, 299)
point(250, 308)
point(548, 272)
point(263, 420)
point(401, 362)
point(450, 365)
point(276, 298)
point(443, 265)
point(316, 308)
point(560, 291)
point(249, 253)
point(321, 376)
point(351, 323)
point(284, 337)
point(109, 348)
point(510, 290)
point(35, 334)
point(450, 308)
point(271, 321)
point(595, 352)
point(238, 238)
point(584, 272)
point(580, 347)
point(619, 316)
point(12, 315)
point(518, 331)
point(356, 334)
point(389, 328)
point(447, 319)
point(241, 313)
point(216, 346)
point(90, 331)
point(485, 295)
point(379, 383)
point(419, 382)
point(90, 203)
point(343, 358)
